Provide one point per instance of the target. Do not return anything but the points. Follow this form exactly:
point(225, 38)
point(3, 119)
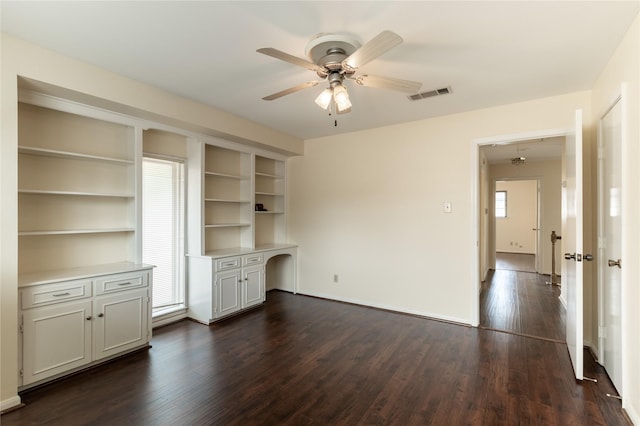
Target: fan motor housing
point(329, 50)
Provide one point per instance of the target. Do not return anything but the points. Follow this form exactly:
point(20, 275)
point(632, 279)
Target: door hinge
point(21, 372)
point(21, 326)
point(602, 332)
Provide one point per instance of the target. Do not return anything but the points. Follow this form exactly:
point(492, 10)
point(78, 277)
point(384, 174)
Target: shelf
point(67, 154)
point(269, 212)
point(226, 176)
point(226, 225)
point(270, 193)
point(75, 231)
point(74, 193)
point(269, 175)
point(224, 200)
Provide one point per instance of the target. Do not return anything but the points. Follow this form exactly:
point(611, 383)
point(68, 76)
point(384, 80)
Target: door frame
point(475, 202)
point(538, 239)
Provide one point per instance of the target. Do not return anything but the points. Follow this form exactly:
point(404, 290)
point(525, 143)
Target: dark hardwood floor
point(516, 262)
point(303, 361)
point(522, 303)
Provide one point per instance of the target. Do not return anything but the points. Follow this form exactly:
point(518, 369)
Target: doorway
point(517, 225)
point(522, 202)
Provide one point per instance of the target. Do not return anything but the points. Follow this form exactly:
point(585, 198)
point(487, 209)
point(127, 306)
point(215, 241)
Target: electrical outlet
point(447, 207)
point(335, 278)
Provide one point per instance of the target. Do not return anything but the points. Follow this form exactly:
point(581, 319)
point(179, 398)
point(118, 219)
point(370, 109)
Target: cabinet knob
point(100, 315)
point(89, 318)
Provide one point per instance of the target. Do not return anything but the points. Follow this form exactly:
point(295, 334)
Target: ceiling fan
point(336, 58)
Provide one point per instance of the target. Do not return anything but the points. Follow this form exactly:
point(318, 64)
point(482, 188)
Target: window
point(163, 231)
point(501, 203)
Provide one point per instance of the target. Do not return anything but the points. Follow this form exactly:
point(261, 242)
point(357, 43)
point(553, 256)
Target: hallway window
point(163, 231)
point(501, 203)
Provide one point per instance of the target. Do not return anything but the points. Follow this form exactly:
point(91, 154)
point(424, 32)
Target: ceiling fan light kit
point(336, 58)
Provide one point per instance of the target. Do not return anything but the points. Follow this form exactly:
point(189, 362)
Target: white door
point(120, 322)
point(538, 228)
point(253, 286)
point(610, 246)
point(56, 338)
point(228, 289)
point(572, 290)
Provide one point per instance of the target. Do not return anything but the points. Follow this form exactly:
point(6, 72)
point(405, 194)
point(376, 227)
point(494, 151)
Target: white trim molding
point(10, 403)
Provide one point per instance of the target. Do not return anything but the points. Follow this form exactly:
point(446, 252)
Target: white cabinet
point(253, 292)
point(68, 324)
point(227, 290)
point(56, 339)
point(222, 286)
point(120, 322)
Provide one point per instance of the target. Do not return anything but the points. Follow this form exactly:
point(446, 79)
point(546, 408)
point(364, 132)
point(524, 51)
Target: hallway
point(520, 302)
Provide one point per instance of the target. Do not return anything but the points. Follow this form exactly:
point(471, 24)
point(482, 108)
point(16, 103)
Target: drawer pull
point(100, 315)
point(62, 294)
point(89, 318)
point(225, 264)
point(125, 283)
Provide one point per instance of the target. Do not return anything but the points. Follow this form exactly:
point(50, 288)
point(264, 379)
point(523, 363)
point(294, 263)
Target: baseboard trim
point(10, 404)
point(394, 309)
point(631, 413)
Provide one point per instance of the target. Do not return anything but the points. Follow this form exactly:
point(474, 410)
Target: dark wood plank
point(306, 361)
point(521, 262)
point(521, 303)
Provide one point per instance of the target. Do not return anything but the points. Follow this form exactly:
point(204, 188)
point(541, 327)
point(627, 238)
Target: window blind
point(162, 227)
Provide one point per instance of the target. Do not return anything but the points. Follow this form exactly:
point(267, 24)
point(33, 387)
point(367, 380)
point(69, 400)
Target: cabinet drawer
point(47, 294)
point(227, 263)
point(120, 282)
point(252, 259)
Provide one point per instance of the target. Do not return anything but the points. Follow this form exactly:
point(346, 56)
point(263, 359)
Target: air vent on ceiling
point(430, 93)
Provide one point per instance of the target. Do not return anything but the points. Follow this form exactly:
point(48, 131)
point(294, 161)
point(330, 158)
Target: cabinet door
point(120, 322)
point(228, 286)
point(252, 286)
point(55, 339)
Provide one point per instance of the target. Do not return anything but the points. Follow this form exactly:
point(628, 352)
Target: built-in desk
point(224, 282)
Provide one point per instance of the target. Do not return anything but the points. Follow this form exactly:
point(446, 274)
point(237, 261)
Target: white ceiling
point(533, 150)
point(490, 53)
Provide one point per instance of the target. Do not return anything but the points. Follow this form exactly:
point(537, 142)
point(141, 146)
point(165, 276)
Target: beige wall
point(514, 233)
point(550, 174)
point(624, 67)
point(368, 206)
point(60, 75)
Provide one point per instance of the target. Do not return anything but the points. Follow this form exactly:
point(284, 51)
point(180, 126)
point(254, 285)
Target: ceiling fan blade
point(388, 83)
point(375, 47)
point(278, 54)
point(291, 90)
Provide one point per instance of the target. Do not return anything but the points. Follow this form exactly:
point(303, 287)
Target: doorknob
point(569, 256)
point(613, 263)
point(535, 229)
point(588, 257)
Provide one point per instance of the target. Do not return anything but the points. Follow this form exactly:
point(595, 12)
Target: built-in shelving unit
point(227, 198)
point(76, 191)
point(270, 192)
